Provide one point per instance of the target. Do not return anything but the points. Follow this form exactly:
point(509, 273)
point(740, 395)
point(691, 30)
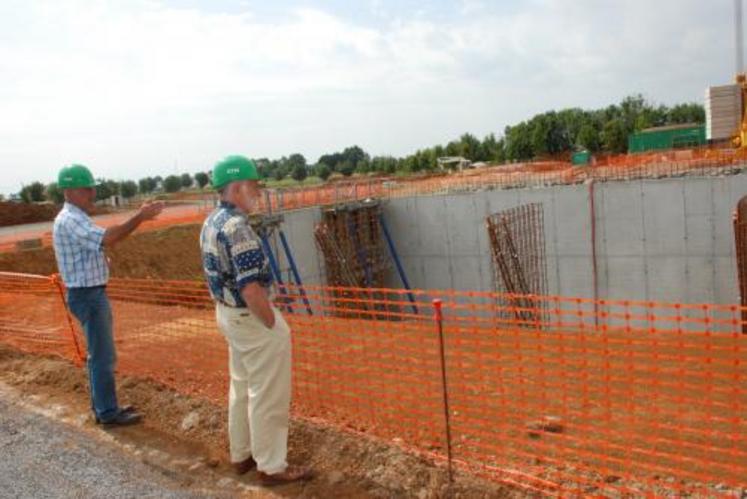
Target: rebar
point(517, 244)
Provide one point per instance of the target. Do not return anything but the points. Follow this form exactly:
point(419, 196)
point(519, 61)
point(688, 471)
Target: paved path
point(42, 458)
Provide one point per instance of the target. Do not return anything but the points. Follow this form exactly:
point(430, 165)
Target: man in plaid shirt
point(79, 248)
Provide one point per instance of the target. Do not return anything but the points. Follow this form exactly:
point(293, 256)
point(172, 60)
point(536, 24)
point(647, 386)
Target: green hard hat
point(234, 168)
point(74, 177)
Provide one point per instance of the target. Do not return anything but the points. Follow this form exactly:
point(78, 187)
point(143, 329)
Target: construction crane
point(740, 139)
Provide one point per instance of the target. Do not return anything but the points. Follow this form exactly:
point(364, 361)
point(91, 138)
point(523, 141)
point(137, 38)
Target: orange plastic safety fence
point(532, 174)
point(34, 317)
point(605, 397)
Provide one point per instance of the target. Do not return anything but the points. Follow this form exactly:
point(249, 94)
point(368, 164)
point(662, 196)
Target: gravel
point(43, 458)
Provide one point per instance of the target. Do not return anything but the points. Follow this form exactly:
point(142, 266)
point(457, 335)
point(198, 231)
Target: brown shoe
point(291, 474)
point(244, 466)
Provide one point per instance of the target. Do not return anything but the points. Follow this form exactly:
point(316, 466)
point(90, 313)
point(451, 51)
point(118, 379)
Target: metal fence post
point(438, 316)
point(57, 283)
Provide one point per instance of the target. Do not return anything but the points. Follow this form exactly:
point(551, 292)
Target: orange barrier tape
point(601, 398)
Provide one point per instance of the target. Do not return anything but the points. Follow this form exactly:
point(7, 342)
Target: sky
point(138, 88)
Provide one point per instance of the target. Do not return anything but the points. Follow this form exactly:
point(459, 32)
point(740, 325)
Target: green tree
point(354, 155)
point(172, 183)
point(299, 173)
point(33, 193)
point(491, 149)
point(615, 136)
point(453, 148)
point(106, 189)
point(186, 180)
point(686, 113)
point(570, 121)
point(519, 142)
point(346, 168)
point(263, 167)
point(469, 147)
point(323, 171)
point(202, 179)
point(384, 164)
point(642, 122)
point(345, 161)
point(588, 138)
point(331, 160)
point(631, 108)
point(279, 173)
point(363, 166)
point(147, 185)
point(128, 189)
point(539, 136)
point(296, 160)
point(55, 194)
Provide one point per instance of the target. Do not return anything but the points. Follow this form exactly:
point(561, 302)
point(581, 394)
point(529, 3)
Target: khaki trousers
point(259, 396)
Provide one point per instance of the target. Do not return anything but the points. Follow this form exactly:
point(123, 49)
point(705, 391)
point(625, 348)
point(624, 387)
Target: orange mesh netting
point(533, 174)
point(575, 396)
point(34, 318)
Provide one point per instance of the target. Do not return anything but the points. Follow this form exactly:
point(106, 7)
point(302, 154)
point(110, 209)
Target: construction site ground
point(644, 410)
point(170, 253)
point(182, 444)
point(25, 213)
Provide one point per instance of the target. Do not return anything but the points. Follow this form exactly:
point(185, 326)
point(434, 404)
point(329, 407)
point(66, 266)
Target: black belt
point(229, 306)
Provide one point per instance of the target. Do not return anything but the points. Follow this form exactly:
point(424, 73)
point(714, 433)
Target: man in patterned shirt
point(258, 337)
point(79, 248)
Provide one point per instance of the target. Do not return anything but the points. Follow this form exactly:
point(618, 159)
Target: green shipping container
point(668, 137)
point(581, 158)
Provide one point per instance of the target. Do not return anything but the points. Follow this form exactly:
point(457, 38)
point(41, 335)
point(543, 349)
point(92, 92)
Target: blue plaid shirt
point(79, 248)
point(232, 255)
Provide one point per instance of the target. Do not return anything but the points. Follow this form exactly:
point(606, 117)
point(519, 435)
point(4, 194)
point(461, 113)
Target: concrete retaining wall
point(668, 240)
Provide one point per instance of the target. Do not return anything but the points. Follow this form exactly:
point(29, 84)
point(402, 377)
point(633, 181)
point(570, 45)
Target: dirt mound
point(346, 465)
point(26, 213)
point(171, 253)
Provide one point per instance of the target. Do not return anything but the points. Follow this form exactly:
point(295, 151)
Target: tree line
point(545, 135)
point(106, 188)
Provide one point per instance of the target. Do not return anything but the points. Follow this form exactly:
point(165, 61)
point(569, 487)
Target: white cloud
point(131, 87)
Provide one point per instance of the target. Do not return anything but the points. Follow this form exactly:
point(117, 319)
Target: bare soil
point(26, 213)
point(347, 465)
point(171, 253)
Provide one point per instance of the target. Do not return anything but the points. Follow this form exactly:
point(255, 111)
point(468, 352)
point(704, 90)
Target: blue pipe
point(274, 267)
point(294, 269)
point(395, 257)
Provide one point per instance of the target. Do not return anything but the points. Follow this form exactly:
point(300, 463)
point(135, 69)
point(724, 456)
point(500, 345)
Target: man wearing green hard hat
point(79, 247)
point(258, 337)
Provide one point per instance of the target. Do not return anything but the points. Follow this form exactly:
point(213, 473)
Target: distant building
point(667, 137)
point(453, 162)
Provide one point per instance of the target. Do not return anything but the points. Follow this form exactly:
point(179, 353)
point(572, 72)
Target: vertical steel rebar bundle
point(517, 244)
point(349, 238)
point(740, 238)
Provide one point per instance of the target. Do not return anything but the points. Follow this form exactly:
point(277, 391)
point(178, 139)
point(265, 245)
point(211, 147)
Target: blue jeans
point(91, 307)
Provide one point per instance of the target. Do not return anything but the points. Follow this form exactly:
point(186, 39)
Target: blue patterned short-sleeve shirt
point(79, 248)
point(232, 255)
